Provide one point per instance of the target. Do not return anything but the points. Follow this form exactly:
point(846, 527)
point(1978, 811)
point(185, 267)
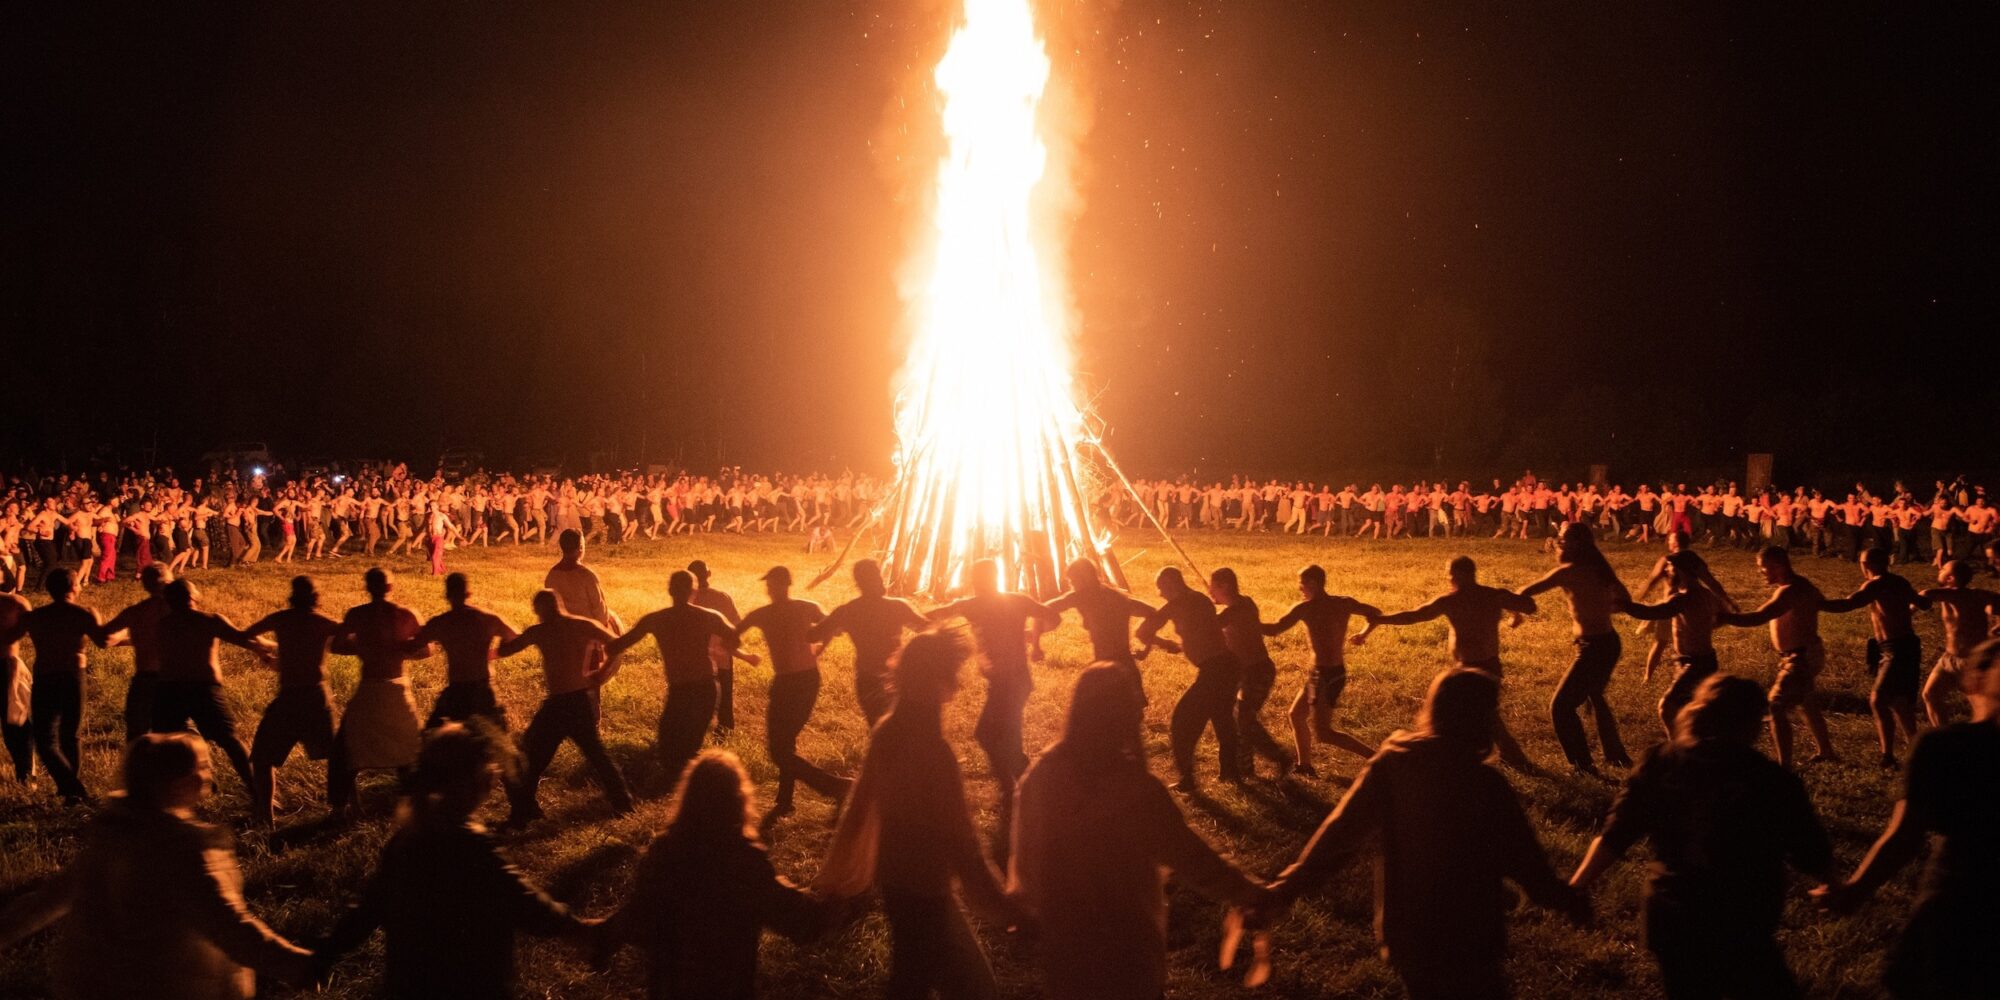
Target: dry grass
point(302, 874)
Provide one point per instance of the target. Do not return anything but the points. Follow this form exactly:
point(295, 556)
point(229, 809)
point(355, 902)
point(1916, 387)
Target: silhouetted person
point(59, 630)
point(1723, 821)
point(152, 906)
point(1107, 614)
point(140, 622)
point(1946, 948)
point(1446, 830)
point(787, 624)
point(467, 634)
point(1894, 653)
point(1211, 699)
point(573, 668)
point(715, 600)
point(378, 727)
point(1473, 611)
point(16, 688)
point(302, 712)
point(683, 632)
point(190, 688)
point(1326, 618)
point(1968, 615)
point(906, 831)
point(1243, 633)
point(1594, 594)
point(1793, 614)
point(999, 621)
point(875, 622)
point(705, 892)
point(1692, 609)
point(447, 903)
point(1093, 834)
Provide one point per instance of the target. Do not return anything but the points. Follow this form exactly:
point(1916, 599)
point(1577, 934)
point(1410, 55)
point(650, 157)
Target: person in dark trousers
point(1000, 622)
point(190, 688)
point(59, 630)
point(721, 603)
point(875, 622)
point(907, 832)
point(446, 901)
point(1447, 830)
point(787, 624)
point(302, 712)
point(1243, 633)
point(140, 623)
point(573, 669)
point(1692, 609)
point(684, 633)
point(705, 892)
point(1946, 949)
point(1211, 699)
point(1595, 593)
point(1723, 821)
point(466, 633)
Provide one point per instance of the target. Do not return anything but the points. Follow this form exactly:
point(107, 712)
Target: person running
point(1691, 612)
point(683, 632)
point(1243, 634)
point(1211, 700)
point(1450, 830)
point(706, 891)
point(573, 668)
point(16, 687)
point(1594, 593)
point(59, 630)
point(787, 623)
point(1894, 653)
point(907, 833)
point(190, 689)
point(140, 623)
point(1946, 947)
point(1793, 614)
point(302, 712)
point(1325, 617)
point(152, 906)
point(1000, 622)
point(466, 633)
point(448, 904)
point(378, 726)
point(1107, 615)
point(1473, 612)
point(1968, 614)
point(875, 623)
point(715, 600)
point(1723, 821)
point(1092, 835)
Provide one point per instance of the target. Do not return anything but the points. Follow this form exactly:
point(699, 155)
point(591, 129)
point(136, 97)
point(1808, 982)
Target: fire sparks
point(989, 462)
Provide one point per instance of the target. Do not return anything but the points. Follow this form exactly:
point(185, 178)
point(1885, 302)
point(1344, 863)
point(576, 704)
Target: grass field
point(302, 874)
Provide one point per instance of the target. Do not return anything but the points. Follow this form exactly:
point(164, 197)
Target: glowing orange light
point(989, 427)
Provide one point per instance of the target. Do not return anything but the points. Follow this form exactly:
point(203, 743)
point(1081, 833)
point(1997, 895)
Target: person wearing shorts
point(1326, 618)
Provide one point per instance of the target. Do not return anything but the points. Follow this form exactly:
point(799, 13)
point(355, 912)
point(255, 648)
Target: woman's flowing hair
point(717, 800)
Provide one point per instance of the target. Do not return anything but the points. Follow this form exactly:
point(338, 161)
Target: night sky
point(1314, 238)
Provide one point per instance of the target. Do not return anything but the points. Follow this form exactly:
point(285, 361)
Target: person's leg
point(998, 733)
point(139, 705)
point(20, 742)
point(217, 725)
point(725, 695)
point(1569, 696)
point(580, 726)
point(1219, 699)
point(786, 710)
point(1301, 714)
point(54, 706)
point(683, 725)
point(1258, 679)
point(1937, 690)
point(1183, 730)
point(538, 747)
point(1687, 677)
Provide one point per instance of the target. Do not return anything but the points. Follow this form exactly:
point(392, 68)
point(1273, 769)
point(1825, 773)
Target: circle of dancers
point(1086, 830)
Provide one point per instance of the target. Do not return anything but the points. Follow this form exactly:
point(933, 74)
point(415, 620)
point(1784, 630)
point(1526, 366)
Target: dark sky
point(1314, 237)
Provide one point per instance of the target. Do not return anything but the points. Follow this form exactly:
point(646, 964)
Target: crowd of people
point(95, 522)
point(152, 904)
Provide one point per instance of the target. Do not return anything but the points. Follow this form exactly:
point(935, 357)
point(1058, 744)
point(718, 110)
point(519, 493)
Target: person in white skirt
point(379, 728)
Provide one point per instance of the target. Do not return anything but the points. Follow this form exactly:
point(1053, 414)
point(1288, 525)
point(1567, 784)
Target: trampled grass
point(301, 875)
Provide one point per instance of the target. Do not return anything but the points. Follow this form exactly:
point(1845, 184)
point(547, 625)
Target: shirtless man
point(1107, 614)
point(875, 622)
point(573, 668)
point(1662, 630)
point(378, 727)
point(581, 592)
point(1243, 633)
point(1326, 619)
point(787, 623)
point(140, 623)
point(466, 633)
point(1691, 612)
point(721, 603)
point(1472, 611)
point(59, 630)
point(1793, 614)
point(16, 695)
point(302, 712)
point(684, 633)
point(1967, 614)
point(1210, 701)
point(190, 688)
point(1594, 593)
point(999, 623)
point(1894, 653)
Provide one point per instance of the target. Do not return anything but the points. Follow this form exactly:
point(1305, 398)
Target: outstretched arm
point(1549, 581)
point(1779, 603)
point(1653, 612)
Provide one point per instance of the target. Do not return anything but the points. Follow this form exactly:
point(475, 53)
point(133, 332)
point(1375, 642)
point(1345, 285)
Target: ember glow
point(990, 461)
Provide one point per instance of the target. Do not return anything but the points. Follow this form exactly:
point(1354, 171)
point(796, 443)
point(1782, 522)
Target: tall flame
point(986, 414)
